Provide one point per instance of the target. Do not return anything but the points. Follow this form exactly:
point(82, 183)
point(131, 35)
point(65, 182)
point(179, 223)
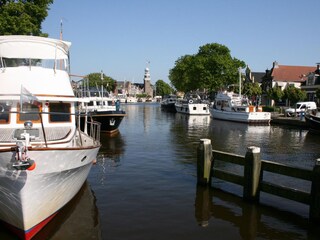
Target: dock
point(280, 119)
point(252, 178)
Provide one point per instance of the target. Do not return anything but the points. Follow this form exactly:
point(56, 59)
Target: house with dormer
point(283, 76)
point(312, 84)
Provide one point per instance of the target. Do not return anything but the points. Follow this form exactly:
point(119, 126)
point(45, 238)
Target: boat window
point(29, 112)
point(60, 112)
point(61, 64)
point(90, 103)
point(4, 113)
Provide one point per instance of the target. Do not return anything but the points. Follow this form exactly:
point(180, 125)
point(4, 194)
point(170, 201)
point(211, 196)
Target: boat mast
point(239, 81)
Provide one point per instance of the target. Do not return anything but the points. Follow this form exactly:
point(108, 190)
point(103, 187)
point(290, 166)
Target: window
point(29, 112)
point(62, 111)
point(4, 113)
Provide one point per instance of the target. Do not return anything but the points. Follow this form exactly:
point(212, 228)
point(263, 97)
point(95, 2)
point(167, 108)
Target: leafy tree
point(107, 82)
point(275, 93)
point(252, 89)
point(163, 88)
point(294, 94)
point(23, 17)
point(212, 68)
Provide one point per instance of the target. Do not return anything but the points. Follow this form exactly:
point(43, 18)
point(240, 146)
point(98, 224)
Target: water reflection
point(112, 147)
point(253, 221)
point(79, 219)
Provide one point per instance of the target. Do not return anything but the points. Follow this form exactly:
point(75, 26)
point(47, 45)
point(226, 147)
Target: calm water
point(144, 184)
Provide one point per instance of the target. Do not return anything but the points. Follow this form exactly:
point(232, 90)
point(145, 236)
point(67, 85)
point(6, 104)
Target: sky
point(123, 37)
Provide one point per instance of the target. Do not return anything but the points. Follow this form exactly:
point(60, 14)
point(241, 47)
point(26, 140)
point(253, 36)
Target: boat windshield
point(61, 64)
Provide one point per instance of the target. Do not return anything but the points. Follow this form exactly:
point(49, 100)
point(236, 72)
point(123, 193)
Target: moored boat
point(102, 107)
point(44, 157)
point(192, 104)
point(312, 119)
point(231, 106)
point(168, 103)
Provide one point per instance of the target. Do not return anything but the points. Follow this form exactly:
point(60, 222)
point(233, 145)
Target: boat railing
point(47, 133)
point(94, 132)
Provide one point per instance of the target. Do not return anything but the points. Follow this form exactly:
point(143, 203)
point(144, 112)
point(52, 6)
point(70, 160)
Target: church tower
point(147, 82)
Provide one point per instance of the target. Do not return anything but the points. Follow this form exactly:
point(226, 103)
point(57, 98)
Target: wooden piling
point(204, 158)
point(314, 211)
point(252, 169)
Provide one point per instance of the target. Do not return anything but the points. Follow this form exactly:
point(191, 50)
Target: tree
point(275, 93)
point(252, 90)
point(294, 94)
point(163, 88)
point(212, 68)
point(107, 82)
point(23, 17)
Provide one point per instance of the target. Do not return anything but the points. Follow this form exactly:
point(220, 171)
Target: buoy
point(190, 101)
point(32, 165)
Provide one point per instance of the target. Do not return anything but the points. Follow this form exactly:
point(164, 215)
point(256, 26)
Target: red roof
point(291, 73)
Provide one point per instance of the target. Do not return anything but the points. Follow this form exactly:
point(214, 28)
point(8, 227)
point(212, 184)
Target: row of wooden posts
point(252, 179)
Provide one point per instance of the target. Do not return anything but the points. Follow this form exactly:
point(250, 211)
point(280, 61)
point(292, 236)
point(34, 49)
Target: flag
point(29, 98)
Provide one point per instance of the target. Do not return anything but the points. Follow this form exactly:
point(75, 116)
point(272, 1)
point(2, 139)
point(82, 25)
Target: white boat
point(132, 99)
point(192, 104)
point(231, 106)
point(44, 157)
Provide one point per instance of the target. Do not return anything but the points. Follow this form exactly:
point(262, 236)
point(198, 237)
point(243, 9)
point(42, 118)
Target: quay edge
point(288, 121)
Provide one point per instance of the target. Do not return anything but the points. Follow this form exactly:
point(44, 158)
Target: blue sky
point(120, 36)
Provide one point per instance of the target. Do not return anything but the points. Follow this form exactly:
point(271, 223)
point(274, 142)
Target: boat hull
point(30, 199)
point(313, 122)
point(193, 108)
point(110, 120)
point(168, 107)
point(244, 117)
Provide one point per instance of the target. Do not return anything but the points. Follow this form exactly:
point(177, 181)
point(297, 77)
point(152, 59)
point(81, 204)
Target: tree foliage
point(252, 89)
point(212, 68)
point(23, 17)
point(163, 88)
point(96, 81)
point(294, 94)
point(275, 93)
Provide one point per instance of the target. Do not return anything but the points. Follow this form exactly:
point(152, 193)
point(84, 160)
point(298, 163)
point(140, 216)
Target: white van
point(300, 108)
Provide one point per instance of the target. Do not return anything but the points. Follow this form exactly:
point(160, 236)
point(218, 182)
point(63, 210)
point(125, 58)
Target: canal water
point(144, 183)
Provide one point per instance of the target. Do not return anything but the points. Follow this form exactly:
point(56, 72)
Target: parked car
point(301, 107)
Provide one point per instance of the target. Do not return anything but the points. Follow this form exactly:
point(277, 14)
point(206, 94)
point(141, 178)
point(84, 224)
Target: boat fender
point(32, 165)
point(190, 101)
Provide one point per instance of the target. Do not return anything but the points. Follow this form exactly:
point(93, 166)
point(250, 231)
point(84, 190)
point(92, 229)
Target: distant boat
point(192, 104)
point(44, 157)
point(231, 106)
point(168, 103)
point(102, 107)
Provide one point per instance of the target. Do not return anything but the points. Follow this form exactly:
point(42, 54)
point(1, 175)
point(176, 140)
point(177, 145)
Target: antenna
point(61, 32)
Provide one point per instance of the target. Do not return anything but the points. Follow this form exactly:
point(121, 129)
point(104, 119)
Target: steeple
point(147, 81)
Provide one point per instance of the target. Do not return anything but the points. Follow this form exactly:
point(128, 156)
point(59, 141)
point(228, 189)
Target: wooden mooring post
point(314, 212)
point(204, 159)
point(252, 170)
point(252, 179)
